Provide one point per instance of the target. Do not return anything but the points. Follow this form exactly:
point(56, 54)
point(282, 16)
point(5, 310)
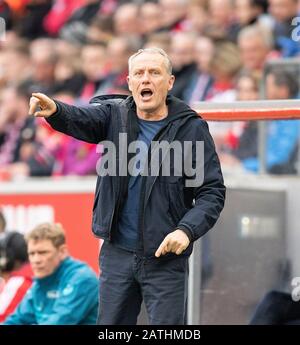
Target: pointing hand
point(41, 105)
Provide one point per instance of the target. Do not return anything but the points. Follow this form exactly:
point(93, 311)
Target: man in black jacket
point(150, 214)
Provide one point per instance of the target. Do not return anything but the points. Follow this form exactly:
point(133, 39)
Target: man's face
point(204, 53)
point(149, 83)
point(253, 53)
point(274, 91)
point(283, 10)
point(244, 11)
point(42, 69)
point(93, 60)
point(246, 89)
point(44, 257)
point(182, 51)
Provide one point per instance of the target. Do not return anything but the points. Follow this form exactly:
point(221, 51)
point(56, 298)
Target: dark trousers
point(277, 308)
point(127, 279)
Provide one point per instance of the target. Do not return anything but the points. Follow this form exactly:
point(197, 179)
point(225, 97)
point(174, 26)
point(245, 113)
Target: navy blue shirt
point(127, 232)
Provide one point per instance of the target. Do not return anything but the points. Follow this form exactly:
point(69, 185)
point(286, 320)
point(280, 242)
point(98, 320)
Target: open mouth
point(146, 94)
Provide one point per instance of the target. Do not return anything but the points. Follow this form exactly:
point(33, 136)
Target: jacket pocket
point(177, 208)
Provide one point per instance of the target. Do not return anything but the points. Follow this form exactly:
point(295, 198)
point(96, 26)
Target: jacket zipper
point(116, 184)
point(143, 202)
point(143, 191)
point(120, 188)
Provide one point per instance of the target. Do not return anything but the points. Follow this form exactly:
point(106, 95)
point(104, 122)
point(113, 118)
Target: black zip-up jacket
point(166, 203)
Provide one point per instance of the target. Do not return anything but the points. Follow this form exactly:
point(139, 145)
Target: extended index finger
point(33, 104)
point(42, 97)
point(37, 99)
point(161, 248)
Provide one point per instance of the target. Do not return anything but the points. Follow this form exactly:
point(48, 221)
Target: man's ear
point(128, 82)
point(63, 251)
point(171, 82)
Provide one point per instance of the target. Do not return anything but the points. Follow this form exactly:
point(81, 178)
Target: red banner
point(72, 210)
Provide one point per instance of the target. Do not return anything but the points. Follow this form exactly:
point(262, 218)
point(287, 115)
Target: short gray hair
point(254, 31)
point(153, 50)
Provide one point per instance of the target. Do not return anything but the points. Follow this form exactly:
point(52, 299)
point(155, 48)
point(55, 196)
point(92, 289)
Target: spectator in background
point(94, 66)
point(100, 31)
point(126, 21)
point(66, 288)
point(247, 86)
point(43, 59)
point(197, 17)
point(150, 19)
point(15, 65)
point(15, 126)
point(282, 135)
point(65, 49)
point(173, 14)
point(256, 47)
point(224, 67)
point(118, 50)
point(68, 75)
point(222, 24)
point(201, 82)
point(248, 12)
point(241, 139)
point(15, 272)
point(283, 11)
point(182, 54)
point(68, 68)
point(74, 30)
point(20, 155)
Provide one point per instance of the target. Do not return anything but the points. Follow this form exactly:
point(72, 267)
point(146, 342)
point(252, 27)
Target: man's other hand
point(41, 105)
point(175, 242)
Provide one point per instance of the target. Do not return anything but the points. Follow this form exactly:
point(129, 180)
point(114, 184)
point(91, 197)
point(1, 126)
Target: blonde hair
point(48, 231)
point(153, 50)
point(226, 58)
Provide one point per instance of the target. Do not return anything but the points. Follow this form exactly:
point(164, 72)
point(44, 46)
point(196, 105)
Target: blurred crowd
point(74, 50)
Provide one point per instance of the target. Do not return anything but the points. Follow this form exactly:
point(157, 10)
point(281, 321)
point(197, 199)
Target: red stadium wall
point(72, 210)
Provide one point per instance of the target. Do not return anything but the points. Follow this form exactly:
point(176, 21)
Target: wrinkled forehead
point(146, 60)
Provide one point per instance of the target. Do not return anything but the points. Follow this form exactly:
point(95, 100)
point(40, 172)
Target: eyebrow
point(138, 69)
point(38, 251)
